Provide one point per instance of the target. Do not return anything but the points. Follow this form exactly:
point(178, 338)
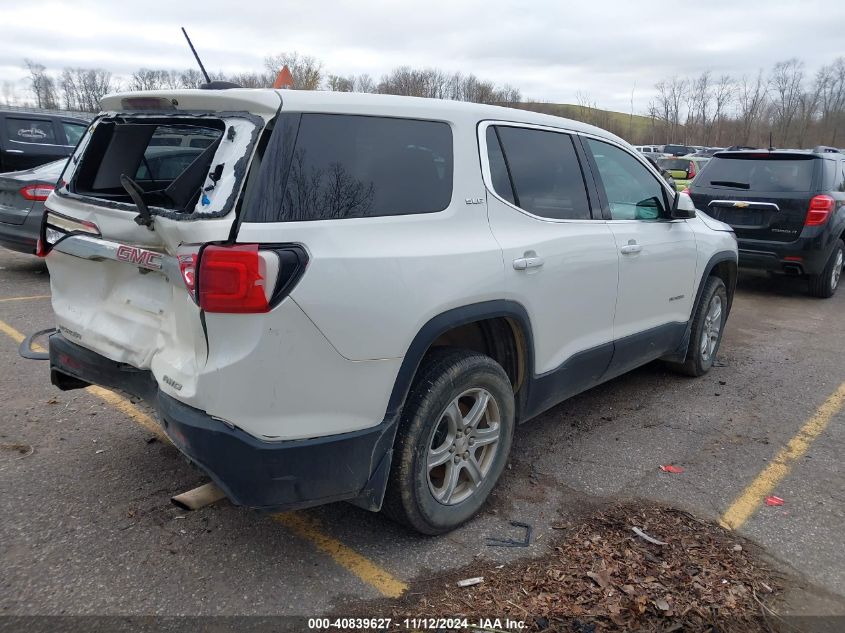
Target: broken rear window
point(169, 161)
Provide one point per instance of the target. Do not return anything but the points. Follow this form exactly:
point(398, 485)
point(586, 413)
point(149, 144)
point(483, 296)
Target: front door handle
point(524, 263)
point(630, 248)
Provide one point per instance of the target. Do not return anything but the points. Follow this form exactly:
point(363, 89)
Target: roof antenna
point(194, 51)
point(771, 147)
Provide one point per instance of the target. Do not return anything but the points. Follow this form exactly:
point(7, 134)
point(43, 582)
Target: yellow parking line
point(300, 525)
point(130, 410)
point(109, 397)
point(747, 503)
point(24, 298)
point(307, 528)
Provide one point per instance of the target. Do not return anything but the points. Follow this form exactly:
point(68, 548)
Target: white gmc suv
point(334, 296)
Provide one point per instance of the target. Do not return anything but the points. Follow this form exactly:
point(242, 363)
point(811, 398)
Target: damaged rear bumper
point(252, 472)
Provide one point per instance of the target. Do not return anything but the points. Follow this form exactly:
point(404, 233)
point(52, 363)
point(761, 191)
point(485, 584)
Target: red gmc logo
point(139, 257)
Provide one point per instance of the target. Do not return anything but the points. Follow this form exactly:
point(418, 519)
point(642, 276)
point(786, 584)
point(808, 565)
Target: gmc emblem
point(139, 257)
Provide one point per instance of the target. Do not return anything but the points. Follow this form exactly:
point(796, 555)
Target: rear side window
point(333, 166)
point(498, 169)
point(760, 174)
point(30, 131)
point(545, 173)
point(73, 132)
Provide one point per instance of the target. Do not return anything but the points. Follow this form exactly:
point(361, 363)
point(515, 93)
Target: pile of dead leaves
point(602, 576)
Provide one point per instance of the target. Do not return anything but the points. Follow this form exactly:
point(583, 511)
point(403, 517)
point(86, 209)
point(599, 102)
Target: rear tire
point(708, 324)
point(824, 284)
point(453, 441)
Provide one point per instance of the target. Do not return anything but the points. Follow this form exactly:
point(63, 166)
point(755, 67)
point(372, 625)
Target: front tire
point(453, 441)
point(711, 313)
point(824, 284)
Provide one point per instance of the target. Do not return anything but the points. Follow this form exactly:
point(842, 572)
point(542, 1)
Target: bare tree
point(699, 98)
point(786, 87)
point(307, 71)
point(336, 83)
point(191, 78)
point(43, 86)
point(831, 80)
point(10, 93)
point(146, 79)
point(364, 83)
point(84, 87)
point(751, 103)
point(724, 93)
point(252, 79)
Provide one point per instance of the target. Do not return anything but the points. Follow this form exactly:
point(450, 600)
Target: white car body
point(334, 356)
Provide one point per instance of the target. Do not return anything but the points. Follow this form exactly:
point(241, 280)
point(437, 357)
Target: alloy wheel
point(712, 328)
point(462, 446)
point(837, 270)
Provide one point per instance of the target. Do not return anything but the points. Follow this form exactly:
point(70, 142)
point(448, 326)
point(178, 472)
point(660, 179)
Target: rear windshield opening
point(168, 160)
point(773, 174)
point(674, 164)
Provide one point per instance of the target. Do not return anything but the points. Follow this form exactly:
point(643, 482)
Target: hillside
point(636, 129)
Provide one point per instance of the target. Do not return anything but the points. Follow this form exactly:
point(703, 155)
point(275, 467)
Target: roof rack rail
point(825, 149)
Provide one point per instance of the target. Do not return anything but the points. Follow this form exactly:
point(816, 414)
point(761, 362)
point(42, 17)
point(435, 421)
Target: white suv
point(358, 297)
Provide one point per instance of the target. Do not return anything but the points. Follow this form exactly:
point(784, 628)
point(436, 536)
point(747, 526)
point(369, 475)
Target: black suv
point(787, 208)
point(29, 139)
point(677, 150)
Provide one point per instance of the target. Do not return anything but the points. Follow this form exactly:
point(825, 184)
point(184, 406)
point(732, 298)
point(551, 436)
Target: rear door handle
point(524, 263)
point(630, 249)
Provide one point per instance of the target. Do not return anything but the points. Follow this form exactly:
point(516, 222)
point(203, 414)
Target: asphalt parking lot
point(88, 528)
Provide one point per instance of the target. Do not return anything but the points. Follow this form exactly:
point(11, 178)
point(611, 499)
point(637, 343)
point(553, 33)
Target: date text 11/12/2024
point(416, 624)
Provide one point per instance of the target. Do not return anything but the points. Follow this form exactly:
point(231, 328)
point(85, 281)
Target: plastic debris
point(509, 542)
point(670, 468)
point(774, 501)
point(469, 582)
point(645, 536)
point(102, 450)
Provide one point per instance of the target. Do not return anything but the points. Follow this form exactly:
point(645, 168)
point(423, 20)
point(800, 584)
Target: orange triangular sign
point(284, 79)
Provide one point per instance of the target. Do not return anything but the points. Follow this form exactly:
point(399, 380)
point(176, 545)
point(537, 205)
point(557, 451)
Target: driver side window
point(632, 191)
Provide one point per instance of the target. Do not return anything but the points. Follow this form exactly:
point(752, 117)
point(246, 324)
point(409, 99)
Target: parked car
point(707, 152)
point(663, 172)
point(370, 291)
point(683, 169)
point(787, 208)
point(676, 150)
point(649, 150)
point(22, 196)
point(29, 139)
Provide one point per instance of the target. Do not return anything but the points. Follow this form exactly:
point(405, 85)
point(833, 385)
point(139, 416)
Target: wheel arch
point(723, 264)
point(516, 357)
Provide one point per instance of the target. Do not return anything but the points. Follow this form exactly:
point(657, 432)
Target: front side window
point(30, 131)
point(337, 166)
point(544, 172)
point(633, 193)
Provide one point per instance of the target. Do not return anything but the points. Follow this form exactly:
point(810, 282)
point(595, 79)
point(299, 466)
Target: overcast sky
point(550, 50)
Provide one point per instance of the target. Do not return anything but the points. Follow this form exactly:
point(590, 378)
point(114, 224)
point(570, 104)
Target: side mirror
point(683, 207)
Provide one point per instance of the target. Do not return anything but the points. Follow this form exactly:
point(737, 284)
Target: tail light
point(819, 210)
point(188, 266)
point(691, 170)
point(243, 278)
point(55, 227)
point(39, 193)
point(231, 279)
